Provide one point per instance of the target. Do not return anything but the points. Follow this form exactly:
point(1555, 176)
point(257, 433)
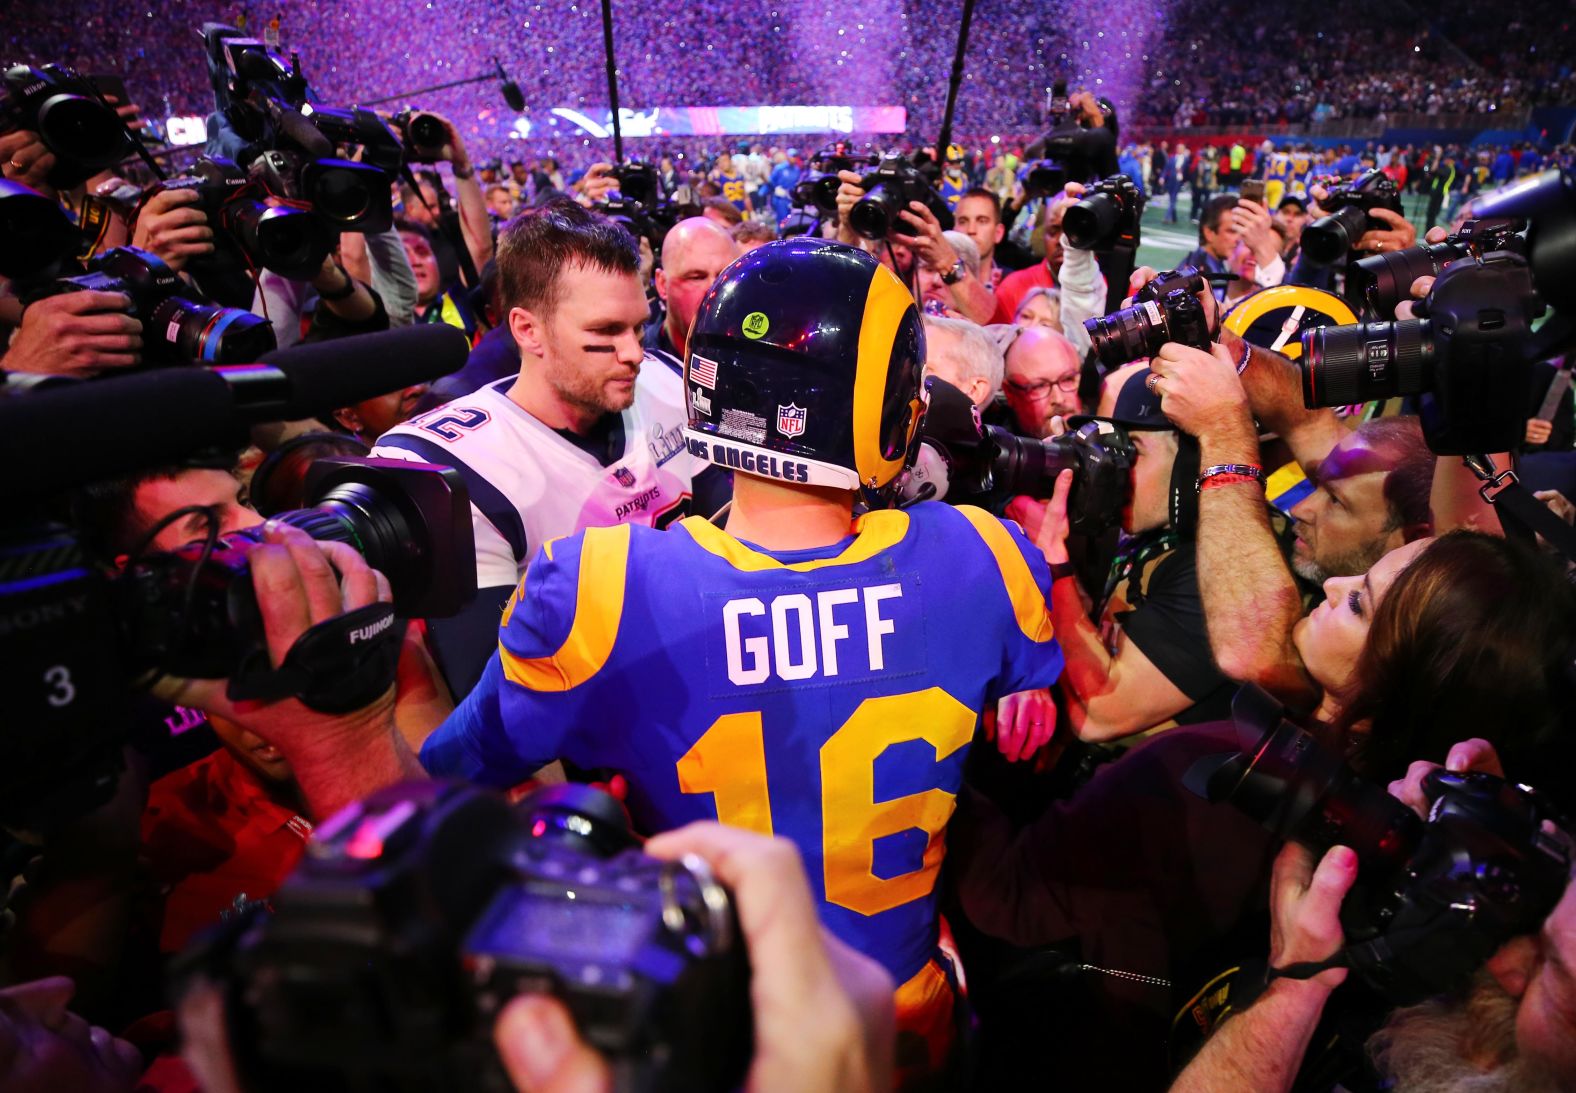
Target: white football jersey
point(528, 484)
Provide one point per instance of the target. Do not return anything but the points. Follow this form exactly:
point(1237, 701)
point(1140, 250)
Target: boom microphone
point(55, 439)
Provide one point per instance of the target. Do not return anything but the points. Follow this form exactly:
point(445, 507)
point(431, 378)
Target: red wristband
point(1226, 480)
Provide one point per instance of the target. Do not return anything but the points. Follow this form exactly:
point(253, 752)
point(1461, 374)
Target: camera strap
point(1503, 490)
point(337, 666)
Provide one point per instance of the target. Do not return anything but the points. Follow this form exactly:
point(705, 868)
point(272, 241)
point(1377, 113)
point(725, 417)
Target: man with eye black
point(588, 434)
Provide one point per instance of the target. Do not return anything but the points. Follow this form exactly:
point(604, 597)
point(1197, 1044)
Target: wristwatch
point(955, 274)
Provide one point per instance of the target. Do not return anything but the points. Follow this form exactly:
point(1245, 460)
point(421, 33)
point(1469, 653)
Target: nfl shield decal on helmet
point(790, 420)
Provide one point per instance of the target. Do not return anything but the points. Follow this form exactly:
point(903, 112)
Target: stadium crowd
point(1003, 664)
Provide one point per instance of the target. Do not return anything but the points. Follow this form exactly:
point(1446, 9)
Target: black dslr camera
point(1434, 899)
point(1383, 280)
point(964, 461)
point(175, 328)
point(424, 135)
point(1167, 309)
point(38, 252)
point(1468, 357)
point(888, 190)
point(417, 914)
point(1106, 217)
point(69, 115)
point(1328, 239)
point(76, 636)
point(818, 188)
point(292, 242)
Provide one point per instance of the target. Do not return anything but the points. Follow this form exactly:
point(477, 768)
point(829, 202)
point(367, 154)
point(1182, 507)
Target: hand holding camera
point(24, 158)
point(1200, 389)
point(174, 226)
point(1305, 908)
point(77, 334)
point(1253, 223)
point(927, 242)
point(597, 184)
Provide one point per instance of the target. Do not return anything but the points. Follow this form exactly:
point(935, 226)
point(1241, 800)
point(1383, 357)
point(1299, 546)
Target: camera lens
point(208, 334)
point(1089, 221)
point(427, 132)
point(823, 193)
point(1130, 334)
point(1383, 280)
point(1345, 365)
point(1328, 238)
point(876, 213)
point(341, 195)
point(82, 131)
point(291, 242)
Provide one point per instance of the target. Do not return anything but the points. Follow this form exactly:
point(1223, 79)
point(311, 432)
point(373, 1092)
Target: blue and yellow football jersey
point(828, 696)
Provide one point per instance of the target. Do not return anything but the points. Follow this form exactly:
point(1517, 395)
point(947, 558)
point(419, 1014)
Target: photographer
point(1443, 640)
point(475, 224)
point(1147, 660)
point(930, 249)
point(1074, 273)
point(1514, 1030)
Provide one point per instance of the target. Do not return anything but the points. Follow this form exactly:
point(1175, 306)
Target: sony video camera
point(1107, 216)
point(1330, 238)
point(1167, 309)
point(1468, 356)
point(1434, 899)
point(963, 461)
point(76, 635)
point(416, 915)
point(1383, 280)
point(69, 115)
point(888, 189)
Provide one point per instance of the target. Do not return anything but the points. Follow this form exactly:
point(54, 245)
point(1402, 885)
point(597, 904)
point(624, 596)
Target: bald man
point(693, 253)
point(1042, 380)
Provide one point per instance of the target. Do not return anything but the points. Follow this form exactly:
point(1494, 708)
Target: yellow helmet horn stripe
point(885, 305)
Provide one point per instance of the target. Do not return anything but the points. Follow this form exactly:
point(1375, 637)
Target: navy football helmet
point(804, 365)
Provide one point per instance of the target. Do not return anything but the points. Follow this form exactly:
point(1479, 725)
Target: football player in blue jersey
point(807, 672)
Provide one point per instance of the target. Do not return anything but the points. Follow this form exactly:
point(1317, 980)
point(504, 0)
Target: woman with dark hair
point(1442, 640)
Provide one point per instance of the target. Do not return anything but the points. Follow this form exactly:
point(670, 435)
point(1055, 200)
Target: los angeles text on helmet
point(744, 459)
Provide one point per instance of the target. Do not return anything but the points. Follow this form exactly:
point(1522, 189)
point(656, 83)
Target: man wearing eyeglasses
point(1042, 380)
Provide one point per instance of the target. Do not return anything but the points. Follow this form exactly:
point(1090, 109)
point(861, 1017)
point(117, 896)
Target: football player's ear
point(528, 330)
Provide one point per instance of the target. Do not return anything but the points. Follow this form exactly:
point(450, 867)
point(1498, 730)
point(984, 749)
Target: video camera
point(69, 115)
point(77, 634)
point(889, 188)
point(40, 256)
point(1350, 213)
point(417, 914)
point(1167, 309)
point(963, 461)
point(295, 146)
point(1067, 153)
point(639, 204)
point(1383, 280)
point(1434, 899)
point(1107, 216)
